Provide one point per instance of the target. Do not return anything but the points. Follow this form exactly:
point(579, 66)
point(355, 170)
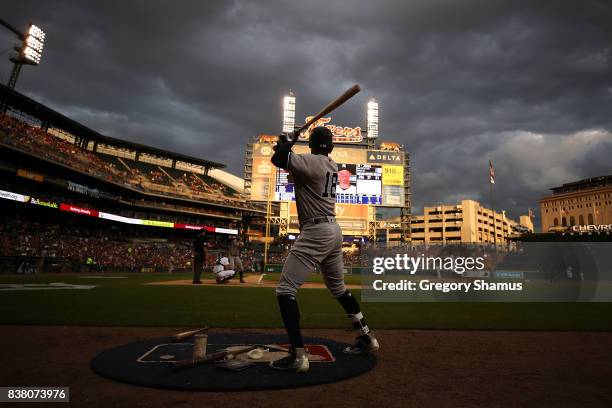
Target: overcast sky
point(526, 84)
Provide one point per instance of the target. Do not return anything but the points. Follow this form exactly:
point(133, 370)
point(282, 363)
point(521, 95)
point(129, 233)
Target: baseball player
point(319, 244)
point(222, 270)
point(234, 256)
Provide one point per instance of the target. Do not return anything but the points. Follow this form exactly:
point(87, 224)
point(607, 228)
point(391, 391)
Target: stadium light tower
point(289, 113)
point(372, 119)
point(29, 51)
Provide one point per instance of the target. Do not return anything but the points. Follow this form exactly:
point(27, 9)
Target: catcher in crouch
point(315, 176)
point(222, 270)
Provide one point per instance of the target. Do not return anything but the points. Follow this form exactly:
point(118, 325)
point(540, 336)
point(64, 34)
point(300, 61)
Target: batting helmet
point(321, 139)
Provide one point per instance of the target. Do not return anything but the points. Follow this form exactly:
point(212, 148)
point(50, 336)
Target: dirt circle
point(415, 368)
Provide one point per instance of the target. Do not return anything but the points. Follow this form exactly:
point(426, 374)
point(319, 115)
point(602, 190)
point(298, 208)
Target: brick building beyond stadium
point(584, 202)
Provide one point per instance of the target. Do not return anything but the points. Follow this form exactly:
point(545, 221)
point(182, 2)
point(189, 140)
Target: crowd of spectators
point(99, 247)
point(194, 183)
point(143, 176)
point(33, 139)
point(89, 247)
point(96, 244)
point(158, 177)
point(279, 249)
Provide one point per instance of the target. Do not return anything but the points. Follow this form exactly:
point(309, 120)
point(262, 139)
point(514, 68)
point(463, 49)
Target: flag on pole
point(491, 173)
point(531, 213)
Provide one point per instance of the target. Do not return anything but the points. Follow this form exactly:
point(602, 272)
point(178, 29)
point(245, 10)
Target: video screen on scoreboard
point(357, 184)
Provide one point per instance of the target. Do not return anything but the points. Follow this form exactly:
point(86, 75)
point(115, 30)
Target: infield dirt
point(415, 368)
point(249, 281)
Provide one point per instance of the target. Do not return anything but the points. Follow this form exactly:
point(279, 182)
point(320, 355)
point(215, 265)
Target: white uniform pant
point(318, 245)
point(225, 274)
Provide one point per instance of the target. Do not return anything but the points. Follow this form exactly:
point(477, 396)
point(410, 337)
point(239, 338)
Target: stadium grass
point(130, 302)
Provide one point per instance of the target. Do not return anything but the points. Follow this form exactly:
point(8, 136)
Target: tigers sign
point(342, 134)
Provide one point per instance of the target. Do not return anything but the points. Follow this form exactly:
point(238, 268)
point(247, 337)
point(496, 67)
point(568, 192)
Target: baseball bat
point(276, 346)
point(219, 355)
point(183, 335)
point(330, 107)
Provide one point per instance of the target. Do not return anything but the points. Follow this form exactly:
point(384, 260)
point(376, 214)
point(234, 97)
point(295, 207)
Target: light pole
point(29, 51)
point(289, 113)
point(372, 119)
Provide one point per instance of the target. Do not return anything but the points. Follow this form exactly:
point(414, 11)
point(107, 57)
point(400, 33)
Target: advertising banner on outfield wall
point(43, 203)
point(352, 218)
point(119, 218)
point(7, 195)
point(525, 272)
point(78, 210)
point(347, 155)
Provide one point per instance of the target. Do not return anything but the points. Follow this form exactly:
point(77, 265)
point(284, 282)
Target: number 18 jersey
point(315, 177)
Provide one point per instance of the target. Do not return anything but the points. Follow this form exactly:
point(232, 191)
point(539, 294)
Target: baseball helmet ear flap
point(321, 139)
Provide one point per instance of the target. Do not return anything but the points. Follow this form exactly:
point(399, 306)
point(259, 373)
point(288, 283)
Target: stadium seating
point(105, 248)
point(140, 175)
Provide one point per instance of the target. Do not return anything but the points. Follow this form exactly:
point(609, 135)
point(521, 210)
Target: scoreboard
point(372, 177)
point(357, 184)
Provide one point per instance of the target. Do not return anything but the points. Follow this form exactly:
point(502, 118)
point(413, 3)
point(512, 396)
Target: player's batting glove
point(282, 143)
point(293, 136)
point(288, 137)
point(282, 138)
point(280, 158)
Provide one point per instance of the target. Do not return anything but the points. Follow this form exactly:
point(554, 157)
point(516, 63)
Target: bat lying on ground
point(330, 107)
point(219, 355)
point(276, 346)
point(186, 334)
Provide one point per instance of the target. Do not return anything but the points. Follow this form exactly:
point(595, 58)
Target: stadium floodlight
point(36, 32)
point(33, 45)
point(289, 113)
point(372, 119)
point(29, 51)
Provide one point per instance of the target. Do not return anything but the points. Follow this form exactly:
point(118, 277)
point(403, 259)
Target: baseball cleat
point(298, 363)
point(365, 344)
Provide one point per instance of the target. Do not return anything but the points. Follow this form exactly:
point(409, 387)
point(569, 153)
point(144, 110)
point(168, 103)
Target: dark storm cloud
point(527, 85)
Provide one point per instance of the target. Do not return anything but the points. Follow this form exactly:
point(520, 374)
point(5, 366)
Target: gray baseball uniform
point(319, 244)
point(234, 255)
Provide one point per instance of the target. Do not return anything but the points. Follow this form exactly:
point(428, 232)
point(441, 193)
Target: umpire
point(200, 253)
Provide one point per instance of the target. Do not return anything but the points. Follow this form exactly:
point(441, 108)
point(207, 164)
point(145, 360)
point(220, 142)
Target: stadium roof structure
point(53, 118)
point(586, 184)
